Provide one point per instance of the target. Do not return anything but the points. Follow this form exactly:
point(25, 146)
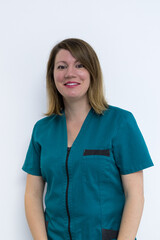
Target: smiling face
point(71, 78)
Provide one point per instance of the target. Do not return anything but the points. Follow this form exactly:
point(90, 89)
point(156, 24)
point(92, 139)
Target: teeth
point(72, 84)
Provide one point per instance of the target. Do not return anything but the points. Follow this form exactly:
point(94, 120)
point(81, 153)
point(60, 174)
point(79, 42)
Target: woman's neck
point(76, 110)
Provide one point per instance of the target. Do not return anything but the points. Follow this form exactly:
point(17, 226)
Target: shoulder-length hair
point(85, 54)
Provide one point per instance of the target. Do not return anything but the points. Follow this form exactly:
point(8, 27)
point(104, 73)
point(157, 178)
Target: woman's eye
point(61, 67)
point(79, 65)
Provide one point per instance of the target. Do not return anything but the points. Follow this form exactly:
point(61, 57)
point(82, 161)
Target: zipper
point(69, 231)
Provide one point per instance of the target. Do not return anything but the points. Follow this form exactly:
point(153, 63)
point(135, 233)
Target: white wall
point(126, 37)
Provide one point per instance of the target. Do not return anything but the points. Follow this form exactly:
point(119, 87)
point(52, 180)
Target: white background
point(126, 37)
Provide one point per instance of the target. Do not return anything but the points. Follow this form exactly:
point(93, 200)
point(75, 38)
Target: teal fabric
point(95, 193)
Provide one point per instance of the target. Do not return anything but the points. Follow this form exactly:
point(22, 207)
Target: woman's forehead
point(64, 56)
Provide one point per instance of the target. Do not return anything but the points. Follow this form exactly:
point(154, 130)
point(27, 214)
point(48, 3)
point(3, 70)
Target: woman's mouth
point(71, 84)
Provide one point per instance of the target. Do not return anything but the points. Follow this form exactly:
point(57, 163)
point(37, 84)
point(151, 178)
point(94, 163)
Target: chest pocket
point(96, 163)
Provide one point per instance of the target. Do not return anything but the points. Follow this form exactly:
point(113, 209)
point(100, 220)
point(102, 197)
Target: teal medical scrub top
point(85, 196)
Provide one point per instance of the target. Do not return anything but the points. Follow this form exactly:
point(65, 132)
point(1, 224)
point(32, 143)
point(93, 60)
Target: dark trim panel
point(46, 222)
point(104, 152)
point(108, 234)
point(67, 208)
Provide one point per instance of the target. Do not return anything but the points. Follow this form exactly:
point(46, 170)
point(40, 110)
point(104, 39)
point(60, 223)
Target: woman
point(90, 154)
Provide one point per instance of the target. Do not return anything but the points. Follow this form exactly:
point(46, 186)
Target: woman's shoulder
point(45, 121)
point(118, 113)
point(117, 110)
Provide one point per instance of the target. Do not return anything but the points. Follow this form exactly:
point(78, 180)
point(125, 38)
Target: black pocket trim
point(108, 234)
point(104, 152)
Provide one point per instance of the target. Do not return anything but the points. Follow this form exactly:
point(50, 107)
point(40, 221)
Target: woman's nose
point(70, 72)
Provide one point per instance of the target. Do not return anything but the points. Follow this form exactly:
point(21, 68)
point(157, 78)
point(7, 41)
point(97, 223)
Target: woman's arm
point(133, 188)
point(34, 207)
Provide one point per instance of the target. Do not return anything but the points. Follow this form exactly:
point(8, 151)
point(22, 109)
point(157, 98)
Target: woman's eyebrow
point(65, 62)
point(61, 62)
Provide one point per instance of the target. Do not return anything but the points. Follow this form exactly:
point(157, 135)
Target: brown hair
point(85, 54)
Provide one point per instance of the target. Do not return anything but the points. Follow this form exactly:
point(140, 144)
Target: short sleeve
point(32, 161)
point(129, 147)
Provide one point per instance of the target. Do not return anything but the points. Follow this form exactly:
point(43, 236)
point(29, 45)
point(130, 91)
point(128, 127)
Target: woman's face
point(72, 80)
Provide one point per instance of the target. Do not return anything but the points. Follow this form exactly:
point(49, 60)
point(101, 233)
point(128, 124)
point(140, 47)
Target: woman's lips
point(71, 84)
